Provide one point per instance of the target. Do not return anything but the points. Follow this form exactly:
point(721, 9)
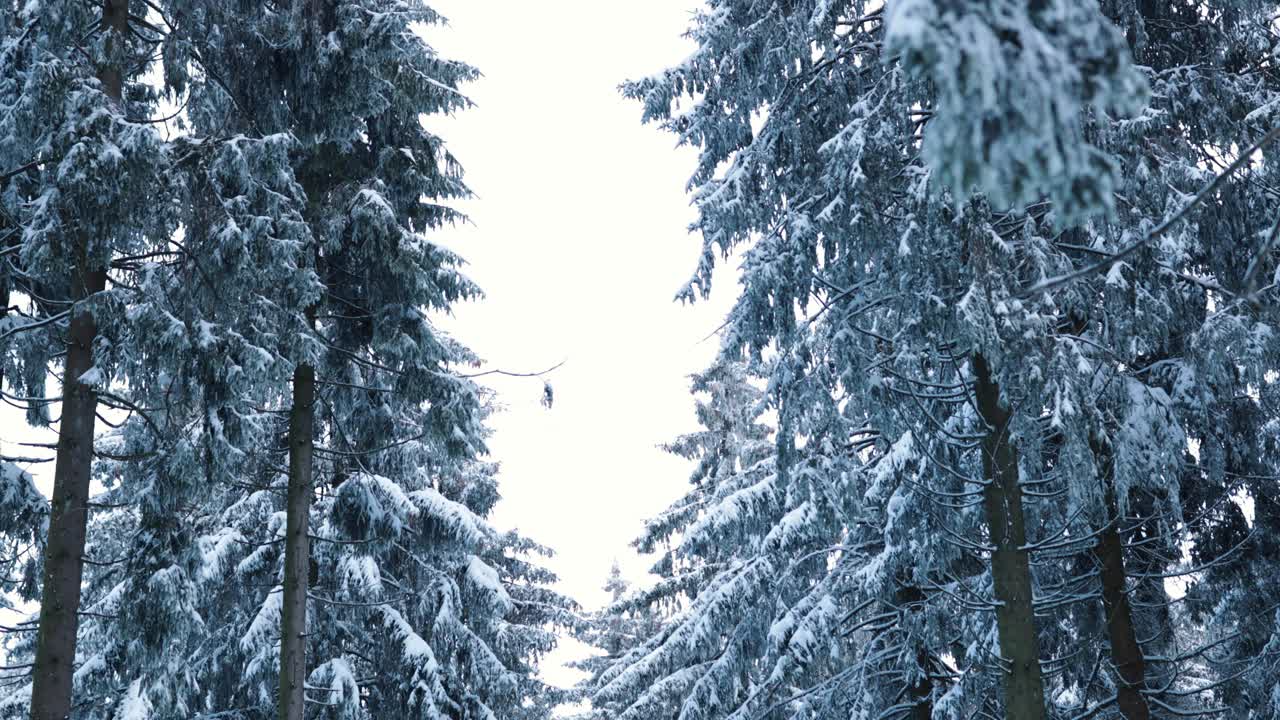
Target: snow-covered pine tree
point(181, 481)
point(190, 524)
point(747, 590)
point(23, 510)
point(392, 411)
point(611, 632)
point(1028, 375)
point(213, 653)
point(1193, 362)
point(206, 327)
point(23, 514)
point(614, 629)
point(1233, 592)
point(461, 612)
point(84, 199)
point(1225, 82)
point(417, 604)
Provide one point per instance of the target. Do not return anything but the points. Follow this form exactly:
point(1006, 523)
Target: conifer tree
point(301, 241)
point(962, 228)
point(23, 514)
point(614, 629)
point(83, 198)
point(313, 226)
point(747, 598)
point(198, 331)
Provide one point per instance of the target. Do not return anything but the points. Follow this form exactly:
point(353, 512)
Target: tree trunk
point(69, 510)
point(1126, 655)
point(68, 518)
point(1010, 563)
point(297, 549)
point(920, 694)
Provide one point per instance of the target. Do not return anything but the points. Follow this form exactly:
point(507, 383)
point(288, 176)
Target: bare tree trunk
point(1126, 654)
point(297, 549)
point(1010, 563)
point(69, 511)
point(68, 519)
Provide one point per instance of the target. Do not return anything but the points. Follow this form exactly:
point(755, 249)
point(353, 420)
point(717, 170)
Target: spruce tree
point(964, 228)
point(743, 560)
point(616, 628)
point(313, 225)
point(291, 234)
point(23, 513)
point(84, 196)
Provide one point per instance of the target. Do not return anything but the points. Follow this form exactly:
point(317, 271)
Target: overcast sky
point(580, 241)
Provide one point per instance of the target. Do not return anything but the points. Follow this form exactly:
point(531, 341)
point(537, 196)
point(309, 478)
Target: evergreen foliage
point(1002, 303)
point(293, 205)
point(992, 432)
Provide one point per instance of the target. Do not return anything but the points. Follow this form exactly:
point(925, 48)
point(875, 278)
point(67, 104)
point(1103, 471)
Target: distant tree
point(744, 586)
point(615, 628)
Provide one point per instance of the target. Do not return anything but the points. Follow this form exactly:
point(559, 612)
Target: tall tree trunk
point(297, 549)
point(920, 694)
point(69, 511)
point(68, 519)
point(1010, 563)
point(5, 231)
point(1126, 655)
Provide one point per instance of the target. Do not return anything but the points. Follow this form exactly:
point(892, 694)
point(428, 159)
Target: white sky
point(579, 239)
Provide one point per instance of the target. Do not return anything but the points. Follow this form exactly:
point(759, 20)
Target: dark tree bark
point(297, 549)
point(68, 518)
point(1010, 563)
point(1126, 654)
point(919, 694)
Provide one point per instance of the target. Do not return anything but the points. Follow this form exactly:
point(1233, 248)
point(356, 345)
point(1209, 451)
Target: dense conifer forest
point(992, 431)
